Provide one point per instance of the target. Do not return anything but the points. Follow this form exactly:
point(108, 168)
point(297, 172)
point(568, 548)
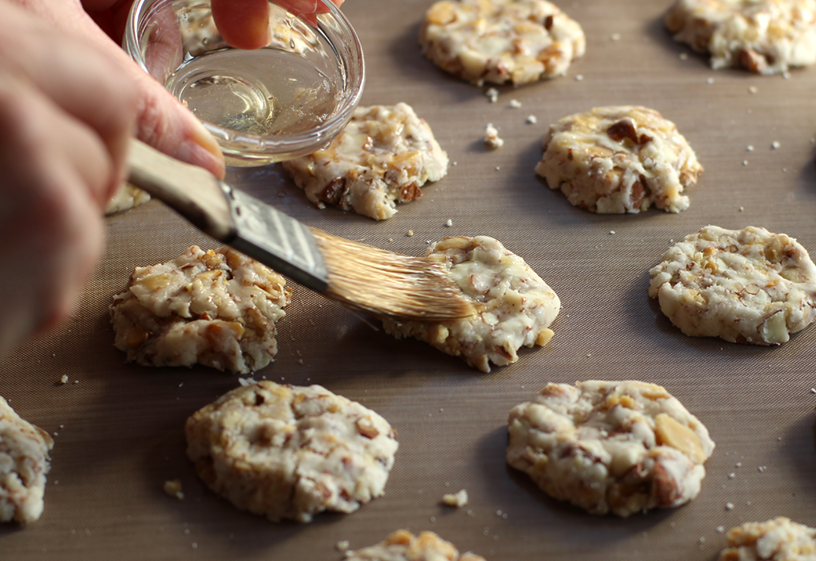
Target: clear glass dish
point(276, 103)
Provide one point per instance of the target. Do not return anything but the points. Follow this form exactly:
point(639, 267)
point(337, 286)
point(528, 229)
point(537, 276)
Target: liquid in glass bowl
point(271, 104)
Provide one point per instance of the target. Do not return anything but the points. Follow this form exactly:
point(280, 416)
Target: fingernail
point(303, 6)
point(201, 149)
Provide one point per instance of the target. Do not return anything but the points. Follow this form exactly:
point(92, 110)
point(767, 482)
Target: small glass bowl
point(280, 102)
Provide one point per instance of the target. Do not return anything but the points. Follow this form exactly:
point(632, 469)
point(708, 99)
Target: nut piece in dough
point(383, 157)
point(291, 452)
point(404, 546)
point(619, 447)
point(500, 41)
point(774, 540)
point(24, 462)
point(515, 307)
point(492, 139)
point(216, 308)
point(458, 499)
point(745, 286)
point(763, 36)
point(126, 198)
point(614, 160)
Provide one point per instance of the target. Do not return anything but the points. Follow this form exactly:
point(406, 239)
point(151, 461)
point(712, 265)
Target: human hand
point(162, 121)
point(242, 23)
point(66, 117)
point(70, 100)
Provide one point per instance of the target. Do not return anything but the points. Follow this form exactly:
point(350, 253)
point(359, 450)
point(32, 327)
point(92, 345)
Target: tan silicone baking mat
point(118, 430)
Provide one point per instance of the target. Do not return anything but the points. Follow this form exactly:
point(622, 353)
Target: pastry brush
point(359, 276)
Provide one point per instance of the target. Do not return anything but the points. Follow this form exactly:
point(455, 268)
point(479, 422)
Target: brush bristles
point(385, 283)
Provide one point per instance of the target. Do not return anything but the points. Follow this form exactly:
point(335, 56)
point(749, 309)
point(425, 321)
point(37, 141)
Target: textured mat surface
point(120, 429)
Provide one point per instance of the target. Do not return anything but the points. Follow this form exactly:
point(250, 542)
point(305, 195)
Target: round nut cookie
point(619, 159)
point(291, 452)
point(24, 462)
point(745, 286)
point(404, 546)
point(620, 447)
point(774, 540)
point(383, 157)
point(216, 308)
point(498, 41)
point(514, 306)
point(763, 36)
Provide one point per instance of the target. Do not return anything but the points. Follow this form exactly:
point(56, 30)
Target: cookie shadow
point(408, 356)
point(562, 210)
point(798, 446)
point(524, 193)
point(202, 511)
point(415, 362)
point(638, 295)
point(565, 212)
point(807, 176)
point(656, 30)
point(529, 192)
point(533, 192)
point(9, 529)
point(314, 348)
point(93, 403)
point(641, 307)
point(273, 185)
point(534, 509)
point(264, 182)
point(406, 55)
point(478, 147)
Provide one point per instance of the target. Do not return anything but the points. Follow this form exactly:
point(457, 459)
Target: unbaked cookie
point(619, 447)
point(619, 159)
point(291, 452)
point(514, 306)
point(24, 462)
point(402, 545)
point(383, 157)
point(774, 540)
point(216, 308)
point(126, 198)
point(745, 286)
point(500, 41)
point(764, 36)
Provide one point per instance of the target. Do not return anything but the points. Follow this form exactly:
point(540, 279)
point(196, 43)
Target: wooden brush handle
point(191, 191)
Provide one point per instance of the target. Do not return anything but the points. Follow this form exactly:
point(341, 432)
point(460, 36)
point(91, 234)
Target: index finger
point(243, 24)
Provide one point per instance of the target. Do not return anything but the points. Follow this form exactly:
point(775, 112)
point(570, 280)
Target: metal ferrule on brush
point(275, 239)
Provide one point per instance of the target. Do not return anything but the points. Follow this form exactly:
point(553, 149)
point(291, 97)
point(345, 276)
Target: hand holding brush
point(358, 276)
